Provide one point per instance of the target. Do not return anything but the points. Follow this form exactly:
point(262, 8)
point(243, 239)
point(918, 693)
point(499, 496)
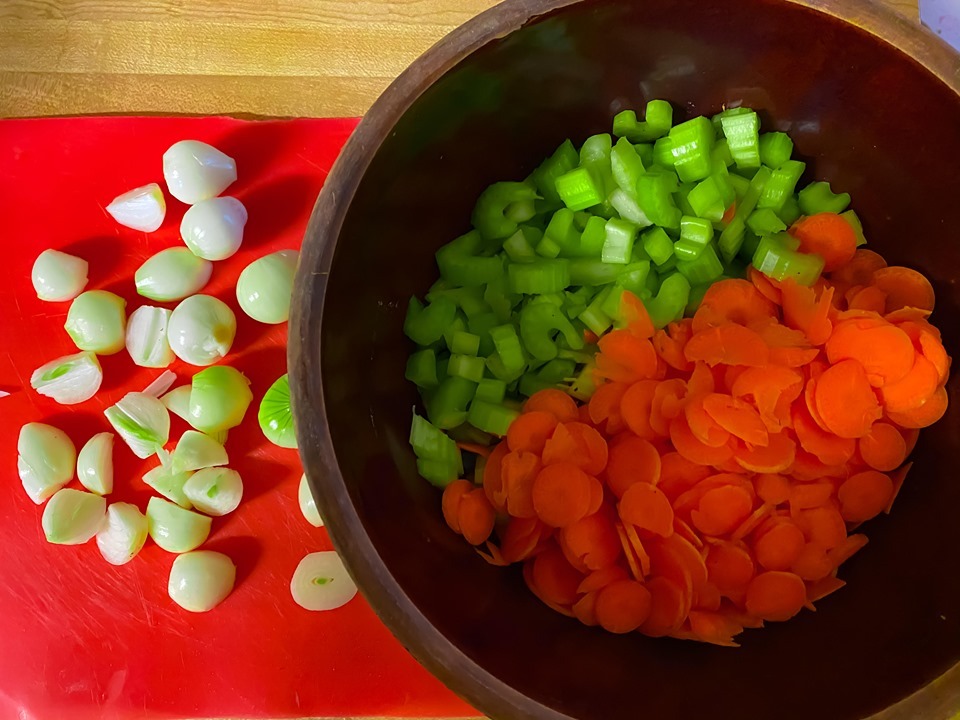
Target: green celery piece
point(717, 120)
point(775, 149)
point(490, 213)
point(626, 166)
point(425, 325)
point(663, 153)
point(501, 372)
point(562, 230)
point(538, 321)
point(707, 201)
point(765, 222)
point(459, 264)
point(790, 212)
point(494, 419)
point(740, 185)
point(594, 317)
point(541, 276)
point(447, 404)
point(818, 197)
point(657, 245)
point(589, 243)
point(781, 185)
point(696, 297)
point(695, 234)
point(751, 241)
point(691, 144)
point(645, 151)
point(459, 324)
point(468, 367)
point(431, 443)
point(721, 153)
point(422, 368)
point(625, 123)
point(742, 132)
point(778, 257)
point(465, 343)
point(657, 122)
point(655, 198)
point(518, 248)
point(659, 117)
point(481, 325)
point(439, 473)
point(491, 390)
point(587, 272)
point(851, 217)
point(628, 208)
point(634, 277)
point(618, 241)
point(682, 196)
point(731, 238)
point(548, 247)
point(508, 347)
point(564, 159)
point(579, 189)
point(670, 302)
point(706, 267)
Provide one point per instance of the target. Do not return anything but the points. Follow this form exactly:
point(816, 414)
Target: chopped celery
point(851, 217)
point(707, 201)
point(691, 144)
point(465, 343)
point(781, 185)
point(658, 245)
point(490, 215)
point(491, 390)
point(732, 236)
point(818, 197)
point(494, 419)
point(538, 321)
point(671, 300)
point(655, 198)
point(593, 272)
point(626, 166)
point(536, 278)
point(765, 222)
point(447, 404)
point(695, 234)
point(468, 367)
point(579, 189)
point(564, 159)
point(742, 132)
point(459, 264)
point(778, 257)
point(425, 325)
point(422, 368)
point(701, 269)
point(618, 241)
point(775, 149)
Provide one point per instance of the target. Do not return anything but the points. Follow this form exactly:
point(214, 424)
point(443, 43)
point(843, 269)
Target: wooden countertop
point(318, 58)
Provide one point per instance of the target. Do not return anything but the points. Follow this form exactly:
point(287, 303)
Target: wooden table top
point(317, 58)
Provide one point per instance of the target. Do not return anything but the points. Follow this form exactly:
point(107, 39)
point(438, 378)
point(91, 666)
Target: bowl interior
point(864, 116)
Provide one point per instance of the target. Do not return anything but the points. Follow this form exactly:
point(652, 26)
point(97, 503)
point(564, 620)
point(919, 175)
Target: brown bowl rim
point(429, 646)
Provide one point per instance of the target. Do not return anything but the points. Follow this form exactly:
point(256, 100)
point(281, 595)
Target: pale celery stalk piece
point(219, 398)
point(70, 379)
point(163, 382)
point(201, 580)
point(172, 274)
point(72, 517)
point(123, 534)
point(196, 451)
point(146, 339)
point(95, 464)
point(58, 276)
point(169, 484)
point(321, 582)
point(215, 491)
point(276, 416)
point(201, 330)
point(308, 506)
point(213, 229)
point(265, 286)
point(142, 208)
point(97, 322)
point(175, 529)
point(196, 171)
point(177, 401)
point(142, 421)
point(46, 459)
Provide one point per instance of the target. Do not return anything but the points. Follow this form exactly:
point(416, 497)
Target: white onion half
point(46, 459)
point(321, 582)
point(201, 580)
point(95, 464)
point(73, 516)
point(174, 529)
point(213, 229)
point(196, 451)
point(142, 208)
point(70, 379)
point(147, 337)
point(215, 491)
point(308, 506)
point(196, 171)
point(123, 534)
point(142, 421)
point(58, 276)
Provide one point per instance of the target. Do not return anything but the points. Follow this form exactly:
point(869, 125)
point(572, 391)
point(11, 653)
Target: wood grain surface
point(316, 58)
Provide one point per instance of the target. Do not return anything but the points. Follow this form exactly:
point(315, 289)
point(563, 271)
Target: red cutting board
point(80, 638)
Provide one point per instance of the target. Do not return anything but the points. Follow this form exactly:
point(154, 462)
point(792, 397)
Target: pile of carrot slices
point(714, 479)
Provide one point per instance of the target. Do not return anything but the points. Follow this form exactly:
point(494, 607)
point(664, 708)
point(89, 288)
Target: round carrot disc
point(555, 578)
point(632, 460)
point(453, 494)
point(864, 496)
point(883, 448)
point(561, 494)
point(780, 546)
point(722, 509)
point(476, 517)
point(530, 431)
point(562, 406)
point(623, 606)
point(776, 595)
point(668, 607)
point(729, 567)
point(845, 401)
point(647, 508)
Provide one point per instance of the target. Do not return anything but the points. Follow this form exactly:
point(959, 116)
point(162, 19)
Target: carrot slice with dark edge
point(864, 496)
point(667, 607)
point(476, 517)
point(555, 578)
point(453, 494)
point(729, 567)
point(721, 510)
point(904, 288)
point(776, 596)
point(925, 415)
point(585, 609)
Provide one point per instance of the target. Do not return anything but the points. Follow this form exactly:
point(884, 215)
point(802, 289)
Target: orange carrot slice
point(633, 460)
point(736, 417)
point(519, 471)
point(770, 289)
point(633, 561)
point(813, 563)
point(562, 406)
point(714, 628)
point(692, 449)
point(687, 532)
point(678, 474)
point(585, 610)
point(493, 555)
point(531, 583)
point(722, 509)
point(773, 489)
point(667, 607)
point(529, 432)
point(883, 448)
point(884, 351)
point(868, 298)
point(807, 468)
point(521, 538)
point(780, 546)
point(811, 495)
point(675, 558)
point(729, 344)
point(845, 401)
point(777, 456)
point(864, 496)
point(708, 599)
point(667, 404)
point(647, 508)
point(636, 405)
point(555, 578)
point(904, 288)
point(776, 596)
point(669, 343)
point(579, 444)
point(562, 494)
point(914, 389)
point(827, 447)
point(898, 477)
point(599, 579)
point(860, 269)
point(476, 517)
point(453, 495)
point(703, 426)
point(925, 415)
point(803, 311)
point(822, 588)
point(493, 479)
point(731, 301)
point(729, 567)
point(604, 407)
point(593, 541)
point(827, 235)
point(623, 606)
point(634, 314)
point(624, 357)
point(756, 518)
point(771, 389)
point(847, 549)
point(639, 550)
point(822, 526)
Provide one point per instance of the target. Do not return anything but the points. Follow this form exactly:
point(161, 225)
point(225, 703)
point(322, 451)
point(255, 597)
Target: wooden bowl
point(873, 103)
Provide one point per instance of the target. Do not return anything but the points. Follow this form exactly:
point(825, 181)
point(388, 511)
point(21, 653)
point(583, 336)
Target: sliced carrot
point(519, 470)
point(847, 549)
point(583, 414)
point(804, 311)
point(827, 235)
point(864, 496)
point(590, 337)
point(529, 432)
point(639, 549)
point(453, 495)
point(722, 509)
point(904, 288)
point(476, 517)
point(813, 563)
point(914, 389)
point(669, 343)
point(528, 578)
point(647, 508)
point(687, 532)
point(827, 447)
point(756, 518)
point(634, 313)
point(493, 555)
point(883, 448)
point(775, 457)
point(925, 415)
point(729, 567)
point(493, 478)
point(555, 578)
point(932, 349)
point(898, 477)
point(585, 610)
point(561, 494)
point(811, 495)
point(737, 418)
point(475, 448)
point(860, 269)
point(579, 444)
point(807, 468)
point(678, 474)
point(729, 214)
point(701, 380)
point(604, 407)
point(845, 401)
point(633, 561)
point(731, 301)
point(562, 406)
point(773, 489)
point(729, 344)
point(690, 500)
point(521, 538)
point(635, 407)
point(776, 596)
point(631, 461)
point(703, 426)
point(593, 540)
point(770, 289)
point(714, 628)
point(822, 588)
point(822, 526)
point(667, 404)
point(708, 599)
point(884, 351)
point(910, 436)
point(667, 607)
point(623, 606)
point(599, 579)
point(692, 449)
point(771, 389)
point(780, 546)
point(868, 298)
point(624, 357)
point(675, 558)
point(596, 496)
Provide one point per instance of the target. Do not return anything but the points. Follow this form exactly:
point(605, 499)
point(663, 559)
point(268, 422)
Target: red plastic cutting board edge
point(80, 638)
